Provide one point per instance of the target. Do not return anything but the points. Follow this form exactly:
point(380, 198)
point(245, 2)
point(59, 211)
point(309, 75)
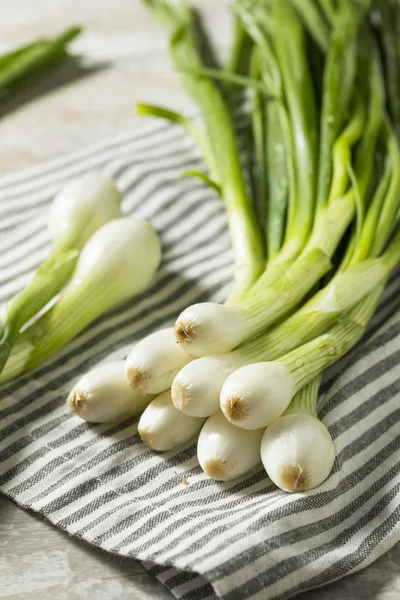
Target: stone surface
point(124, 61)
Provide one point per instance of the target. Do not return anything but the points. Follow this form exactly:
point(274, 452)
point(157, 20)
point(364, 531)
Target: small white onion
point(81, 208)
point(297, 452)
point(153, 363)
point(163, 427)
point(257, 394)
point(126, 251)
point(225, 451)
point(210, 328)
point(103, 395)
point(197, 387)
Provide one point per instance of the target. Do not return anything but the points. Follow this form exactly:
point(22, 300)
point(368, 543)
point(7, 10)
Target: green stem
point(289, 43)
point(389, 12)
point(35, 57)
point(323, 310)
point(8, 57)
point(255, 21)
point(258, 128)
point(278, 185)
point(263, 309)
point(306, 400)
point(63, 322)
point(314, 22)
point(233, 78)
point(331, 223)
point(49, 279)
point(309, 360)
point(391, 204)
point(362, 250)
point(188, 124)
point(244, 229)
point(339, 75)
point(239, 55)
point(328, 9)
point(341, 154)
point(364, 159)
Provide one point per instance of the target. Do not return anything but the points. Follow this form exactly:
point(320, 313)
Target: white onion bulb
point(153, 363)
point(257, 394)
point(225, 451)
point(210, 328)
point(81, 208)
point(163, 427)
point(103, 395)
point(297, 452)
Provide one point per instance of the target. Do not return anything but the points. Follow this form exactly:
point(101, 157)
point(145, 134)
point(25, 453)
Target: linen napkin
point(237, 540)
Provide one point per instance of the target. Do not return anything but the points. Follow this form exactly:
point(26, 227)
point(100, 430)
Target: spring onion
point(103, 395)
point(297, 450)
point(226, 452)
point(153, 363)
point(163, 427)
point(81, 208)
point(313, 209)
point(76, 213)
point(117, 263)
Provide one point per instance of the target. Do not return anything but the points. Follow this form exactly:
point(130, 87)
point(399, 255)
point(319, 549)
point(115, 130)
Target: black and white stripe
point(242, 539)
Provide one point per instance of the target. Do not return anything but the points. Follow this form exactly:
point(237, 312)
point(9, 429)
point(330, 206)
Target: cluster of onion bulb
point(294, 446)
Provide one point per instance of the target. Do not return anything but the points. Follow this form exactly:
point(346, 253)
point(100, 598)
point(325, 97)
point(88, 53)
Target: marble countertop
point(125, 60)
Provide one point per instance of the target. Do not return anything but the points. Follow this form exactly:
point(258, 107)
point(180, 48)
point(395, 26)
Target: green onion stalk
point(222, 154)
point(33, 59)
point(290, 128)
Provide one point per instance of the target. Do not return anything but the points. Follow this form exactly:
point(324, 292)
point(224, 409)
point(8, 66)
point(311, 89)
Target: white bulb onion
point(163, 427)
point(297, 452)
point(123, 255)
point(196, 388)
point(226, 452)
point(81, 208)
point(117, 263)
point(210, 328)
point(103, 395)
point(257, 394)
point(153, 363)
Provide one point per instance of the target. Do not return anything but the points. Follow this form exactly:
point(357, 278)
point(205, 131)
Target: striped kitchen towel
point(236, 540)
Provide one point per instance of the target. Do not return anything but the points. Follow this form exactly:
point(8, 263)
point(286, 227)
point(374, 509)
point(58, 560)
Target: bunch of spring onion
point(315, 227)
point(98, 260)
